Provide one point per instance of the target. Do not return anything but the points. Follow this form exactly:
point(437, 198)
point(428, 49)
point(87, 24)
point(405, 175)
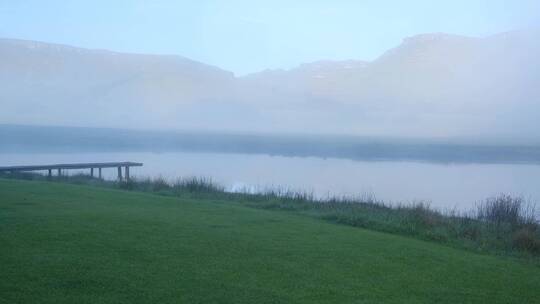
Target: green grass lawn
point(63, 243)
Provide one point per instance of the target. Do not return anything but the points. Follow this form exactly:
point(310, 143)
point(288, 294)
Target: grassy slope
point(75, 244)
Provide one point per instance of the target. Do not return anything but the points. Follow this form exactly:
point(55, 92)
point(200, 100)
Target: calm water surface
point(444, 185)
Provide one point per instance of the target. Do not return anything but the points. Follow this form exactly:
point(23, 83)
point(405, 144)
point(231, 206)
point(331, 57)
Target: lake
point(445, 186)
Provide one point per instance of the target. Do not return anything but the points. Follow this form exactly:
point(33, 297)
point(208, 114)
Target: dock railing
point(77, 166)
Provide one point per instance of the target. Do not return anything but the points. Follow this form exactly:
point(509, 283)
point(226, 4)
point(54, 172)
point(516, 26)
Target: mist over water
point(435, 113)
point(446, 186)
point(270, 151)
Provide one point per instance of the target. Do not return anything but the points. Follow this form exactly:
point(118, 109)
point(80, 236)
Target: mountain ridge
point(431, 84)
point(419, 38)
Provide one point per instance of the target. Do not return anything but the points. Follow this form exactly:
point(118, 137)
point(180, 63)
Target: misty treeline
point(40, 139)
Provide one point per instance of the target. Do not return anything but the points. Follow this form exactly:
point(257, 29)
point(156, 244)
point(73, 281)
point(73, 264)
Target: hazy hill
point(433, 84)
point(429, 85)
point(65, 85)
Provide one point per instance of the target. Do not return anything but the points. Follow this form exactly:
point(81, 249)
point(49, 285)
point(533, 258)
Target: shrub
point(197, 184)
point(505, 209)
point(421, 214)
point(527, 239)
point(160, 184)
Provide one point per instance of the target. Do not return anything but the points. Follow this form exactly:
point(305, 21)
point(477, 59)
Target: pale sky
point(247, 36)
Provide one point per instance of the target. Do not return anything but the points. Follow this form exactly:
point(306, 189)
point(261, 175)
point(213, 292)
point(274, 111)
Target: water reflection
point(446, 186)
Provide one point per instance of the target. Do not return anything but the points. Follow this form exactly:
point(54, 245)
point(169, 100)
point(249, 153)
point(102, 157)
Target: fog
point(467, 98)
point(430, 85)
point(270, 151)
point(448, 173)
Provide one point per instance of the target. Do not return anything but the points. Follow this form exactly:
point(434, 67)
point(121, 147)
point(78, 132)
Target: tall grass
point(502, 224)
point(506, 210)
point(181, 185)
point(511, 219)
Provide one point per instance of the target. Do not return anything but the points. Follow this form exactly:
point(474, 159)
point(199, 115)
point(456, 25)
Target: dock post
point(92, 172)
point(99, 172)
point(119, 174)
point(50, 173)
point(127, 173)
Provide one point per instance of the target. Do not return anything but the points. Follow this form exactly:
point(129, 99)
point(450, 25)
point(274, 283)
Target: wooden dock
point(91, 166)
